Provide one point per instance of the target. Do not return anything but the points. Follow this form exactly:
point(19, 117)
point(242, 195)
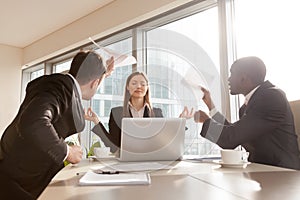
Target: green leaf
point(66, 163)
point(91, 151)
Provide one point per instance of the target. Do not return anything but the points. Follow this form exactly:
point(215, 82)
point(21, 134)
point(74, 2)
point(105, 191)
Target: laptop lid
point(149, 139)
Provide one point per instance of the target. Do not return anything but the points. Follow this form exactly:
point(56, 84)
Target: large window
point(29, 75)
point(62, 67)
point(36, 74)
point(181, 55)
point(270, 30)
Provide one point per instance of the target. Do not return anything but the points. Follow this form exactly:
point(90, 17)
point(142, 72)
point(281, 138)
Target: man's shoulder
point(270, 90)
point(52, 78)
point(62, 78)
point(51, 84)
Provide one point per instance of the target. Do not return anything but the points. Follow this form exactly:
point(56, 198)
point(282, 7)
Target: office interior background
point(177, 43)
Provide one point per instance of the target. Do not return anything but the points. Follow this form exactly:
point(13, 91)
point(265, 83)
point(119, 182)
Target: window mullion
point(227, 56)
point(139, 49)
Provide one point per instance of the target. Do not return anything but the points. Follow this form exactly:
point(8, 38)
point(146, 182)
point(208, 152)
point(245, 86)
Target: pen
point(100, 171)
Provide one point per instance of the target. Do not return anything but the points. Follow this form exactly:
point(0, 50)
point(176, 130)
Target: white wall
point(10, 84)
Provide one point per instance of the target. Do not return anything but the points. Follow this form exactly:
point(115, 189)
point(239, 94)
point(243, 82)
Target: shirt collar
point(137, 113)
point(131, 106)
point(76, 85)
point(249, 95)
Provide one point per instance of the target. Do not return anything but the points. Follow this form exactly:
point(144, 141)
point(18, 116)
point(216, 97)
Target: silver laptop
point(150, 139)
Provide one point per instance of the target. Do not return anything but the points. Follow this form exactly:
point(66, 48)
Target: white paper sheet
point(194, 82)
point(119, 59)
point(91, 178)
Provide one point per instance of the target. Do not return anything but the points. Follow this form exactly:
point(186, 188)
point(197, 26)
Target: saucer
point(232, 165)
point(92, 157)
point(105, 158)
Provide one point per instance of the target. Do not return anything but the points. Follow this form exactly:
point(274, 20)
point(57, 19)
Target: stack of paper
point(92, 178)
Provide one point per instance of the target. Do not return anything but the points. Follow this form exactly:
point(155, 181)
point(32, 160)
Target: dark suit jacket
point(265, 129)
point(112, 138)
point(32, 148)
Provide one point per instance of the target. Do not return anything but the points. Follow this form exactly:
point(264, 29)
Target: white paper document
point(92, 178)
point(194, 82)
point(119, 59)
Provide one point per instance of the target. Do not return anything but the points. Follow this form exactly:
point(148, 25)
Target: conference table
point(186, 179)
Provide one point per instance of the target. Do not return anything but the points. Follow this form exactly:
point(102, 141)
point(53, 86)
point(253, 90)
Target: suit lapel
point(146, 112)
point(262, 87)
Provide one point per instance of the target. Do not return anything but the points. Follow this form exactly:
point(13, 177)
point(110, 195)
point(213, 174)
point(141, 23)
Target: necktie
point(242, 110)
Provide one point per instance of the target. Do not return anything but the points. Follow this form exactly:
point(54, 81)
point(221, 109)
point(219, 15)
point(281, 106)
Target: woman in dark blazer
point(136, 104)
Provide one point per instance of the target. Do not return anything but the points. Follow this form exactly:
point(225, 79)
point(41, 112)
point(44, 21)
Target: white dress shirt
point(137, 113)
point(80, 96)
point(213, 111)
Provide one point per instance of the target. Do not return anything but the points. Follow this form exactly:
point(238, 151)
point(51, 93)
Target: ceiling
point(23, 22)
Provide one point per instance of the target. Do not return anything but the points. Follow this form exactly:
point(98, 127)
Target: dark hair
point(87, 66)
point(127, 95)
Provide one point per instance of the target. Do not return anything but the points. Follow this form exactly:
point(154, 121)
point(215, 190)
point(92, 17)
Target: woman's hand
point(186, 114)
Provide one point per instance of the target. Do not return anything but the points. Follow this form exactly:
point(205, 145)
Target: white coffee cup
point(231, 156)
point(101, 152)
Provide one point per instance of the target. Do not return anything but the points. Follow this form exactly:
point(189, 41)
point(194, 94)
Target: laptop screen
point(146, 139)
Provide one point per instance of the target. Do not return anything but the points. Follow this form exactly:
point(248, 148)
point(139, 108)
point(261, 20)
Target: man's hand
point(207, 98)
point(75, 154)
point(200, 116)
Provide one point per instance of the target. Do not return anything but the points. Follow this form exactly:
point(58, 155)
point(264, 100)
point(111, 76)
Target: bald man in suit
point(266, 126)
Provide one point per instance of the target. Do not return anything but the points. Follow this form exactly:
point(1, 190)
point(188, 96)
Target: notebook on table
point(152, 139)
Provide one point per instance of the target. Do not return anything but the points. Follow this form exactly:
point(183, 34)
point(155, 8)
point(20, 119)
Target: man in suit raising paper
point(32, 148)
point(266, 125)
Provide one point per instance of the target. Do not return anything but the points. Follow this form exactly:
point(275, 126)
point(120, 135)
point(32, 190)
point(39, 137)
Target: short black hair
point(87, 66)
